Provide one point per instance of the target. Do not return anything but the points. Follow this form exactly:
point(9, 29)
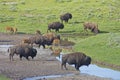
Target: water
point(49, 76)
point(101, 72)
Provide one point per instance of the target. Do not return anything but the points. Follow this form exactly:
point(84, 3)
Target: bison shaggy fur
point(76, 58)
point(65, 17)
point(11, 29)
point(56, 26)
point(37, 39)
point(22, 51)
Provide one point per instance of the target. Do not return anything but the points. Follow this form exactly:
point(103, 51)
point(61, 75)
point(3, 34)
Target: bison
point(11, 29)
point(56, 52)
point(92, 26)
point(38, 32)
point(23, 51)
point(56, 26)
point(65, 17)
point(37, 39)
point(49, 38)
point(76, 58)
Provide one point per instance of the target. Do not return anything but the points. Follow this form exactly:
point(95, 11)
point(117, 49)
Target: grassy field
point(28, 16)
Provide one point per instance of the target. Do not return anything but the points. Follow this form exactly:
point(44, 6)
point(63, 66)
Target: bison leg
point(43, 46)
point(77, 66)
point(11, 57)
point(20, 57)
point(63, 64)
point(27, 58)
point(57, 30)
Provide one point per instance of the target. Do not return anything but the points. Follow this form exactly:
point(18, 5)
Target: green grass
point(102, 47)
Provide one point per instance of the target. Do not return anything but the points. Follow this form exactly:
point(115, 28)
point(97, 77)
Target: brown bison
point(56, 42)
point(38, 32)
point(65, 17)
point(49, 38)
point(56, 52)
point(56, 26)
point(10, 29)
point(22, 51)
point(76, 58)
point(92, 26)
point(37, 39)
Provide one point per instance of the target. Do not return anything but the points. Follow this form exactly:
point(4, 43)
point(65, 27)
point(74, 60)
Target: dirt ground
point(43, 64)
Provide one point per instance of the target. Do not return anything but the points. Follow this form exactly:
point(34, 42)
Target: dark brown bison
point(65, 17)
point(77, 58)
point(92, 26)
point(56, 26)
point(22, 51)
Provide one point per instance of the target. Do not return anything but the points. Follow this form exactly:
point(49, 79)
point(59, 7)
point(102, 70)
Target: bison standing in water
point(65, 17)
point(77, 58)
point(92, 26)
point(23, 51)
point(56, 26)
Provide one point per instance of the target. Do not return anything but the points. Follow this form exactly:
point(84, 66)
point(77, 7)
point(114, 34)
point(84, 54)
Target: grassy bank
point(102, 47)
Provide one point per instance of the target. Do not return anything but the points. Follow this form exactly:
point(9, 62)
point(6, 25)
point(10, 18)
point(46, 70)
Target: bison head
point(87, 60)
point(34, 53)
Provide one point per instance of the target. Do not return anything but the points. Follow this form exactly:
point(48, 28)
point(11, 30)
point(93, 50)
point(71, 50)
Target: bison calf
point(77, 58)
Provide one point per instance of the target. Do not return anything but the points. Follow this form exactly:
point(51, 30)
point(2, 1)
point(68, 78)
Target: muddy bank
point(44, 64)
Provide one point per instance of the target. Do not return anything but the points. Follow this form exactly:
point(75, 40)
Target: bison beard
point(77, 58)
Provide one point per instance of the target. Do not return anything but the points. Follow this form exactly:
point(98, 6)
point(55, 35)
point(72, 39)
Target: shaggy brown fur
point(38, 32)
point(92, 26)
point(76, 58)
point(56, 26)
point(23, 51)
point(11, 29)
point(56, 52)
point(56, 42)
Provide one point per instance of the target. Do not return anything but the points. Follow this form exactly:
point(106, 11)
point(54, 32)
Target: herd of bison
point(26, 49)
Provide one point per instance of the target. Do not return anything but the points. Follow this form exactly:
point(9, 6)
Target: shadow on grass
point(103, 32)
point(21, 33)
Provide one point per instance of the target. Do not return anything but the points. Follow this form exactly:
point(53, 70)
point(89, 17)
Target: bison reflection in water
point(78, 59)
